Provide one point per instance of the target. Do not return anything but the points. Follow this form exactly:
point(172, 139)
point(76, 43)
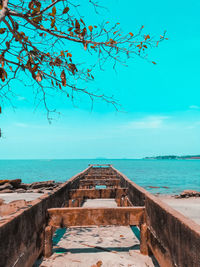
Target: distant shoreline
point(173, 157)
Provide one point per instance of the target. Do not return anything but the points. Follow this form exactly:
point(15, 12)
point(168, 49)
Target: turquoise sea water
point(178, 175)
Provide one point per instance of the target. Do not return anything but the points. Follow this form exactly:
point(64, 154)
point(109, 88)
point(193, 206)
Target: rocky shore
point(16, 186)
point(188, 193)
point(15, 195)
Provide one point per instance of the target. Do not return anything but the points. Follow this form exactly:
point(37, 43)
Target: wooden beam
point(143, 239)
point(123, 202)
point(101, 176)
point(97, 193)
point(99, 165)
point(109, 182)
point(66, 217)
point(48, 233)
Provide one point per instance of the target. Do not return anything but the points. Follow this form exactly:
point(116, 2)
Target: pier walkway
point(97, 246)
point(98, 218)
point(101, 226)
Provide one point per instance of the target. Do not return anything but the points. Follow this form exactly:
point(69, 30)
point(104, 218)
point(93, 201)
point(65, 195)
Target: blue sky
point(160, 103)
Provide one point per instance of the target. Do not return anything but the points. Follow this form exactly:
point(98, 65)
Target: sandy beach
point(189, 207)
point(9, 197)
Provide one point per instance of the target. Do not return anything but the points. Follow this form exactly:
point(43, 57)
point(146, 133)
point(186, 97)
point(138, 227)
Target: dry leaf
point(39, 77)
point(66, 10)
point(90, 28)
point(2, 30)
point(54, 11)
point(63, 78)
point(147, 37)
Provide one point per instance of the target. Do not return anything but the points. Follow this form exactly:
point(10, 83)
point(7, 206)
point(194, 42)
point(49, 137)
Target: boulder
point(3, 182)
point(6, 186)
point(44, 184)
point(189, 193)
point(20, 190)
point(15, 183)
point(29, 191)
point(49, 188)
point(24, 186)
point(6, 191)
point(39, 191)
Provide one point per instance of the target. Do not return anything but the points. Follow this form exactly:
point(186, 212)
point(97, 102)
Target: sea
point(156, 176)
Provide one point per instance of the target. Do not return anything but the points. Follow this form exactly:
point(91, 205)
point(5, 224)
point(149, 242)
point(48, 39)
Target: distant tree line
point(175, 157)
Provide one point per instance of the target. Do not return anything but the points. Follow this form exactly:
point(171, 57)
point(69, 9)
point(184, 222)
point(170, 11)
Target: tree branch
point(4, 9)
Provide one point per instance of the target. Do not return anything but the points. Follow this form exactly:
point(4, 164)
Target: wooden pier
point(100, 196)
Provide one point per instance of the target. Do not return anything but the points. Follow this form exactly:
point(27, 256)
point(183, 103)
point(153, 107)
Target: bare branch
point(34, 41)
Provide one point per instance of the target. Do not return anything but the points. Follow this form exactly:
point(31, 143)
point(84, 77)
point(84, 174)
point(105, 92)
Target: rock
point(15, 183)
point(189, 193)
point(6, 191)
point(24, 186)
point(39, 191)
point(20, 190)
point(6, 186)
point(45, 184)
point(29, 191)
point(1, 201)
point(3, 182)
point(50, 188)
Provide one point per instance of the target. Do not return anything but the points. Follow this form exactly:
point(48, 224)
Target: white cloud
point(194, 107)
point(151, 122)
point(20, 124)
point(21, 98)
point(29, 125)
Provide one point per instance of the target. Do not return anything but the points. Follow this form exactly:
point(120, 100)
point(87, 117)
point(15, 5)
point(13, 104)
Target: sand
point(8, 197)
point(190, 207)
point(103, 203)
point(113, 246)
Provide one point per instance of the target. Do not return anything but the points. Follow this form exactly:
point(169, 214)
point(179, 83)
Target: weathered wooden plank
point(109, 182)
point(66, 217)
point(123, 202)
point(101, 176)
point(97, 193)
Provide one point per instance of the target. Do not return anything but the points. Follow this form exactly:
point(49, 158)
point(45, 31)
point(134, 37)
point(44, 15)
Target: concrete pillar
point(143, 239)
point(48, 242)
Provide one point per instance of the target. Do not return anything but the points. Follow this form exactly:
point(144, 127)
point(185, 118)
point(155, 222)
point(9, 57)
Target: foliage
point(35, 34)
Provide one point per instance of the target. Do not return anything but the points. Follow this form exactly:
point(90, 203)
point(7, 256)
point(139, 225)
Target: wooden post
point(66, 217)
point(143, 239)
point(48, 241)
point(118, 201)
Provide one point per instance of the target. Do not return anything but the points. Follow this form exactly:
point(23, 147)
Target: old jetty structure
point(100, 197)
